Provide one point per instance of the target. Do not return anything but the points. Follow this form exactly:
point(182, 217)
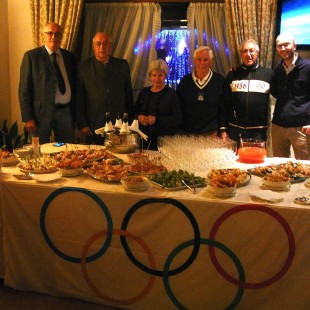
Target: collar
point(289, 68)
point(50, 52)
point(202, 83)
point(249, 68)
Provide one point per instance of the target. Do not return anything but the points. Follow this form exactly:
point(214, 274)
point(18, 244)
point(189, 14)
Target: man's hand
point(31, 126)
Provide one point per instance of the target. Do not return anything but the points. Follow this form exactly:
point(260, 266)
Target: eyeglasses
point(106, 43)
point(51, 33)
point(245, 51)
point(285, 45)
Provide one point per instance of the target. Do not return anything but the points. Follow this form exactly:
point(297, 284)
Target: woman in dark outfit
point(157, 107)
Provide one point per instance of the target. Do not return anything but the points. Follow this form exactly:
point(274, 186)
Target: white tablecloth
point(94, 241)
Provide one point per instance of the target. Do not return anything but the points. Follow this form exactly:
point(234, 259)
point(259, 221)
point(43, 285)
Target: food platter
point(173, 180)
point(176, 188)
point(116, 180)
point(298, 172)
point(110, 170)
point(37, 170)
point(242, 177)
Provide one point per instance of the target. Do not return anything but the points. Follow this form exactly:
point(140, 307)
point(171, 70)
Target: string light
point(173, 48)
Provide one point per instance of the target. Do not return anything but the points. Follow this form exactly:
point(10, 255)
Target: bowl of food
point(135, 183)
point(276, 180)
point(71, 172)
point(8, 158)
point(222, 185)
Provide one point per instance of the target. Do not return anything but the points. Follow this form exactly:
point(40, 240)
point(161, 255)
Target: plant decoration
point(10, 139)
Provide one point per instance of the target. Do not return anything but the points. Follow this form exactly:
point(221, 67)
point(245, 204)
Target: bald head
point(102, 46)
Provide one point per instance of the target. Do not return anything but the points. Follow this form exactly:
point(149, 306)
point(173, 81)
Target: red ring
point(128, 301)
point(283, 223)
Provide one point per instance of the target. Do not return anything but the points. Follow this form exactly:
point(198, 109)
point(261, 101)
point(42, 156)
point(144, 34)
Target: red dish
point(252, 154)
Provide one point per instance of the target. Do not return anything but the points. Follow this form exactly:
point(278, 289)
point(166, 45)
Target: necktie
point(60, 79)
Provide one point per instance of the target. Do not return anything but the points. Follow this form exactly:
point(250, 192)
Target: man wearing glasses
point(291, 87)
point(104, 85)
point(46, 89)
point(246, 108)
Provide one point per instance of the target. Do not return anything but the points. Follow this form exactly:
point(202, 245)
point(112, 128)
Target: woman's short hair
point(159, 65)
point(202, 48)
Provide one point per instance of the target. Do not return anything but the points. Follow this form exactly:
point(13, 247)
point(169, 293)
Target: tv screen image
point(295, 19)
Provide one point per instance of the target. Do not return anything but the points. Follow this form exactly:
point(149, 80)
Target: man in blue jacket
point(291, 87)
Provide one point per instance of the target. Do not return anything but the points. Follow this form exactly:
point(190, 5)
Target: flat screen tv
point(294, 17)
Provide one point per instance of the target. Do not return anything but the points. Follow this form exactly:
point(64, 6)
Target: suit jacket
point(100, 89)
point(38, 83)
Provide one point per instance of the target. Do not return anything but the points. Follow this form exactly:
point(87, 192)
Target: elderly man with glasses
point(104, 85)
point(46, 89)
point(246, 105)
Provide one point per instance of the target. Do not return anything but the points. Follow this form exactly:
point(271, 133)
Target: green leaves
point(10, 137)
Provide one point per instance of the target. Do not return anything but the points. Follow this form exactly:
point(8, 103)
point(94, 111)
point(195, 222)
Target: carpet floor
point(11, 299)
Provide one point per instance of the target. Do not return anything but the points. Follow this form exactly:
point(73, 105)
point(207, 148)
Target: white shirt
point(59, 97)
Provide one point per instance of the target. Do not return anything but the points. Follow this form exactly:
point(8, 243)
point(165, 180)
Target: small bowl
point(71, 172)
point(22, 152)
point(9, 158)
point(135, 183)
point(273, 183)
point(221, 191)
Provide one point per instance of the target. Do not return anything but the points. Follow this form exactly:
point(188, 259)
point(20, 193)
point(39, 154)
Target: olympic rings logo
point(166, 273)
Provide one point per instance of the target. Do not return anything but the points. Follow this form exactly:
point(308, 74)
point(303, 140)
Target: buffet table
point(82, 238)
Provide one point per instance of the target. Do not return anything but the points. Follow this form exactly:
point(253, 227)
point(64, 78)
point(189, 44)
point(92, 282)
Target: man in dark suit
point(104, 85)
point(45, 94)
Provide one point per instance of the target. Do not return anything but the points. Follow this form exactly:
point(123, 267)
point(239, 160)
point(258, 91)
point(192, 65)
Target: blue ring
point(189, 215)
point(101, 205)
point(209, 242)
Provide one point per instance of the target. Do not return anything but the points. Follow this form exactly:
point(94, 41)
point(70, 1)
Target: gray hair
point(249, 41)
point(159, 65)
point(202, 48)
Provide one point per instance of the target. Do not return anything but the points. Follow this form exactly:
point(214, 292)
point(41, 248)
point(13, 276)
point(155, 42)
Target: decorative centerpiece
point(121, 138)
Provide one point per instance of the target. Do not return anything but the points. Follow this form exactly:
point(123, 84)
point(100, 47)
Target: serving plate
point(46, 178)
point(104, 180)
point(47, 171)
point(275, 188)
point(266, 196)
point(302, 200)
point(299, 172)
point(175, 188)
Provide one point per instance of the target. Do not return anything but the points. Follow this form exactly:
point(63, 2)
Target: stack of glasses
point(197, 154)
